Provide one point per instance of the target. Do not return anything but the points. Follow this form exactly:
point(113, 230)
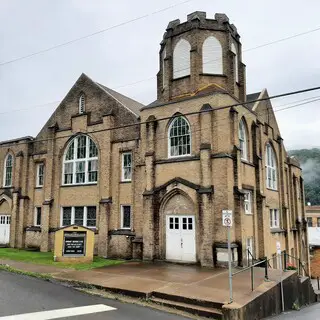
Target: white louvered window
point(179, 138)
point(82, 104)
point(243, 140)
point(212, 61)
point(274, 218)
point(80, 164)
point(271, 168)
point(8, 167)
point(181, 59)
point(235, 62)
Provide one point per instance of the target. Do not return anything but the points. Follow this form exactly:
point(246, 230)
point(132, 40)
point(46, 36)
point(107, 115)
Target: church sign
point(74, 243)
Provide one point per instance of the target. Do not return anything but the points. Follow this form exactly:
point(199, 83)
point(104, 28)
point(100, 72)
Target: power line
point(185, 114)
point(92, 34)
point(153, 77)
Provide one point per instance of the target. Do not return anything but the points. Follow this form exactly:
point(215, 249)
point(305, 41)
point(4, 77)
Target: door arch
point(5, 219)
point(179, 227)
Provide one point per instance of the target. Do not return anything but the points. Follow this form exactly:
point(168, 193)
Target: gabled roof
point(133, 105)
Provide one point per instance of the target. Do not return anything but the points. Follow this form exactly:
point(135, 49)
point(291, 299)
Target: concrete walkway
point(142, 279)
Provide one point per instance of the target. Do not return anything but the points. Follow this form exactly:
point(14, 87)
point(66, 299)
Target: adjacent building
point(152, 180)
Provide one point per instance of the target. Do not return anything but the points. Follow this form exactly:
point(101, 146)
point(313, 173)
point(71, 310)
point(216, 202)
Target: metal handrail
point(252, 271)
point(299, 261)
point(247, 268)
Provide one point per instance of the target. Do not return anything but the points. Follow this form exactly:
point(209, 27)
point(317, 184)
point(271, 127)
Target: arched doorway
point(180, 227)
point(5, 220)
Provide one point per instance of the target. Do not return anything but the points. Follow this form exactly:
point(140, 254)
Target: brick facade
point(212, 178)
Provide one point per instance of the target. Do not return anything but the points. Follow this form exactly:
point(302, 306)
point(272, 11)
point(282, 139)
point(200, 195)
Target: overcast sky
point(129, 53)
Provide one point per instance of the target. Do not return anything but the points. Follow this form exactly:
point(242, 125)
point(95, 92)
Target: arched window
point(235, 62)
point(181, 59)
point(82, 104)
point(243, 140)
point(80, 161)
point(8, 166)
point(179, 137)
point(271, 168)
point(212, 61)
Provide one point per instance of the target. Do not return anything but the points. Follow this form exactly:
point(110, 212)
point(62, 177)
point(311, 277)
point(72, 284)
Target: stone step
point(212, 313)
point(187, 300)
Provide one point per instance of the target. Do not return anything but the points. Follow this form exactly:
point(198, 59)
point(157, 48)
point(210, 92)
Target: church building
point(152, 180)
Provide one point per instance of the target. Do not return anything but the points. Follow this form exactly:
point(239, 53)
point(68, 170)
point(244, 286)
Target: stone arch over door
point(177, 204)
point(5, 204)
point(5, 219)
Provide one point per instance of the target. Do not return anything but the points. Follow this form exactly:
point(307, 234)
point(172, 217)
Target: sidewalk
point(143, 279)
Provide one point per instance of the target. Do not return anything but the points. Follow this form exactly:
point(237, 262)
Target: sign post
point(280, 264)
point(227, 222)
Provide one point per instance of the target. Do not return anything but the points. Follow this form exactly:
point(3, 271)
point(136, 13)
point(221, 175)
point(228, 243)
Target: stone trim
point(205, 146)
point(124, 182)
point(238, 191)
point(33, 228)
point(278, 230)
point(248, 187)
point(180, 159)
point(247, 163)
point(224, 245)
point(137, 240)
point(121, 232)
point(64, 129)
point(105, 200)
point(179, 180)
point(206, 190)
point(221, 155)
point(81, 114)
point(24, 197)
point(48, 202)
point(149, 153)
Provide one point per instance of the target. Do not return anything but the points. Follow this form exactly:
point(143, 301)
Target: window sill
point(125, 181)
point(79, 185)
point(38, 187)
point(212, 74)
point(270, 189)
point(180, 78)
point(248, 214)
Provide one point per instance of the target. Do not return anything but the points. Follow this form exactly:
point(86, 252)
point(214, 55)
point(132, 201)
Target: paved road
point(25, 298)
point(309, 313)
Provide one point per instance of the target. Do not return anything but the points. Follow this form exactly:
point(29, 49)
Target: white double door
point(180, 238)
point(4, 229)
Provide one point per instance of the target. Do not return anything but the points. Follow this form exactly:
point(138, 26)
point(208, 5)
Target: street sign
point(227, 218)
point(278, 247)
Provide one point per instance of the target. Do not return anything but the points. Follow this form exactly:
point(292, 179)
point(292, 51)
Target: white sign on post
point(278, 247)
point(227, 218)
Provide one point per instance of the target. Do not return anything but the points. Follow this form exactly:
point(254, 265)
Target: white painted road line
point(60, 313)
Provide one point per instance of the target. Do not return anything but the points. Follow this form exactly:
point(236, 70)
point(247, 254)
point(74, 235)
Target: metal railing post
point(252, 285)
point(285, 261)
point(318, 283)
point(266, 270)
point(299, 267)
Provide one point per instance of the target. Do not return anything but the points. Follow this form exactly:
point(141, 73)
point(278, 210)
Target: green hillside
point(310, 163)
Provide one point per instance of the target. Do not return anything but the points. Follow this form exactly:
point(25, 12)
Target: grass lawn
point(46, 258)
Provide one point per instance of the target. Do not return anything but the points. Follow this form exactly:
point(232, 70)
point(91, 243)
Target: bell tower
point(200, 56)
